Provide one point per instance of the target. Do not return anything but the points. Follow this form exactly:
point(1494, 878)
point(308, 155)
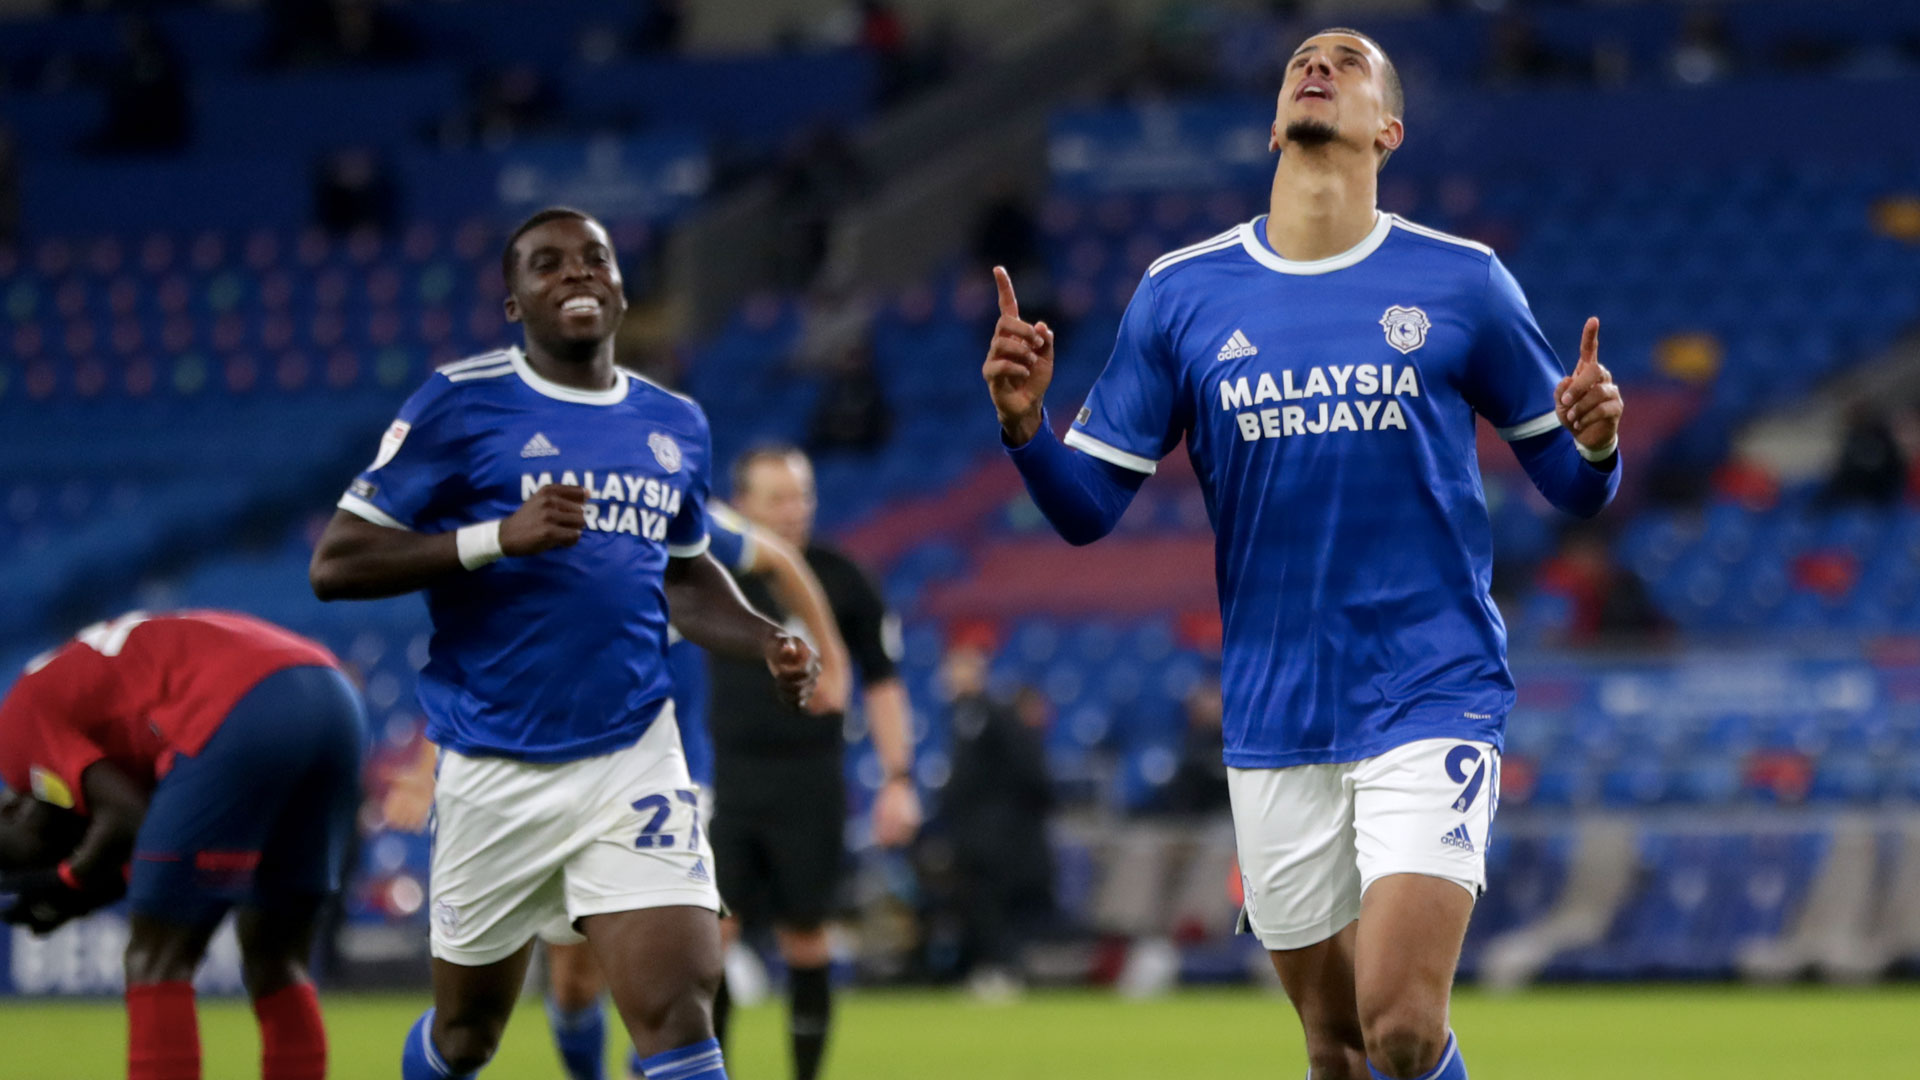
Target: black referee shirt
point(745, 716)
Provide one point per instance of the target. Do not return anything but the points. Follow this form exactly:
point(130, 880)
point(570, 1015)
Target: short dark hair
point(1396, 92)
point(551, 213)
point(754, 455)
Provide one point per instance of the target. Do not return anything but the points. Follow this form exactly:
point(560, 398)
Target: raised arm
point(709, 611)
point(1081, 497)
point(798, 591)
point(1577, 465)
point(359, 560)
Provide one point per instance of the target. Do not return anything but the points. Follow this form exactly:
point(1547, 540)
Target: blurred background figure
point(147, 107)
point(997, 808)
point(354, 190)
point(1169, 870)
point(1872, 467)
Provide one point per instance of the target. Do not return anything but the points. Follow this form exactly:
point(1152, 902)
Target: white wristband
point(479, 544)
point(1602, 454)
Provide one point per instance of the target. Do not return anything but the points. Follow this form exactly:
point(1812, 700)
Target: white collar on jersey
point(1256, 245)
point(612, 395)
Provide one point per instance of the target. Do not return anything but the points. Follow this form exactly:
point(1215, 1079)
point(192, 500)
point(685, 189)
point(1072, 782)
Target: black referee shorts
point(778, 836)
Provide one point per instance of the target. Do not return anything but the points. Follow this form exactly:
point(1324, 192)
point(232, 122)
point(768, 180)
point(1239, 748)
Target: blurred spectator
point(1609, 604)
point(1870, 468)
point(819, 175)
point(505, 105)
point(306, 33)
point(1704, 51)
point(835, 342)
point(835, 325)
point(1166, 872)
point(147, 107)
point(353, 190)
point(883, 34)
point(662, 29)
point(9, 188)
point(852, 413)
point(1517, 54)
point(1199, 784)
point(995, 809)
point(1008, 234)
point(881, 28)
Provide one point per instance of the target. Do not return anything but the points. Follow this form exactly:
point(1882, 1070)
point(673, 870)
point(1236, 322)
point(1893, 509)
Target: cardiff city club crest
point(1406, 328)
point(665, 451)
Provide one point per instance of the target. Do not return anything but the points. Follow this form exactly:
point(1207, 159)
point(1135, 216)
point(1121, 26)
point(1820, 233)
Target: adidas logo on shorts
point(539, 446)
point(1236, 347)
point(699, 872)
point(1458, 838)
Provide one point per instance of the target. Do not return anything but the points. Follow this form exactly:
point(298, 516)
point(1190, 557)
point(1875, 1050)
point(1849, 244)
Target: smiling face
point(1340, 88)
point(565, 285)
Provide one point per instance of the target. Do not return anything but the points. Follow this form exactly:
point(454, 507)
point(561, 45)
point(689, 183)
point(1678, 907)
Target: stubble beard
point(1312, 134)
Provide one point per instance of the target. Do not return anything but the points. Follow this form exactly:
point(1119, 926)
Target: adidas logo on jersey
point(699, 872)
point(1236, 347)
point(1458, 838)
point(538, 446)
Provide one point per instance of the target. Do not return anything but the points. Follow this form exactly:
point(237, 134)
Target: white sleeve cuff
point(1527, 429)
point(1112, 455)
point(361, 508)
point(690, 551)
point(1602, 454)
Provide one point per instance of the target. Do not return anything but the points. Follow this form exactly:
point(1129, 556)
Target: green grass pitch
point(1570, 1034)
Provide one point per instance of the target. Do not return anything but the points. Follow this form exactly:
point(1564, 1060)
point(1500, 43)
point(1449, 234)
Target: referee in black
point(780, 803)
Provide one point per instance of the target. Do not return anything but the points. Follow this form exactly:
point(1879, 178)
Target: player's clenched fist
point(1019, 365)
point(553, 518)
point(1587, 401)
point(794, 668)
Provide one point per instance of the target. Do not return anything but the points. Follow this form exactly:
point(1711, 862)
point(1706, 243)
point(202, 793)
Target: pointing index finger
point(1009, 306)
point(1589, 345)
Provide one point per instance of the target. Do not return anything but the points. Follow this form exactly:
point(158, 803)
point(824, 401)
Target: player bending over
point(551, 506)
point(204, 761)
point(1324, 363)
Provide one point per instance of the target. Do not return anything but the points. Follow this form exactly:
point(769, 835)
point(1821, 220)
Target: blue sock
point(1452, 1066)
point(419, 1060)
point(581, 1036)
point(701, 1061)
point(634, 1065)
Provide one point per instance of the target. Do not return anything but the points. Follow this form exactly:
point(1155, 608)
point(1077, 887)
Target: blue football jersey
point(1328, 408)
point(733, 547)
point(561, 655)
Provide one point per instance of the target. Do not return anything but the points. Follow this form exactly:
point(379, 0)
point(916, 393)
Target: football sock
point(163, 1033)
point(722, 1010)
point(634, 1065)
point(420, 1059)
point(810, 991)
point(581, 1036)
point(701, 1061)
point(1452, 1066)
point(293, 1039)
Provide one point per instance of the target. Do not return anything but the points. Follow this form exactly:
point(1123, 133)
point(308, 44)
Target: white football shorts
point(1313, 838)
point(523, 849)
